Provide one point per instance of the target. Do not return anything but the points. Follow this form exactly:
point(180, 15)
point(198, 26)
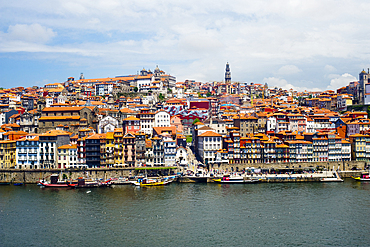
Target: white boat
point(336, 178)
point(198, 177)
point(227, 179)
point(331, 180)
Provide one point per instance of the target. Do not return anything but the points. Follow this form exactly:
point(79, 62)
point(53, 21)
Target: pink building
point(176, 121)
point(131, 124)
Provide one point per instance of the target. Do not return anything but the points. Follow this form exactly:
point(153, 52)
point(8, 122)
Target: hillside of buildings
point(150, 119)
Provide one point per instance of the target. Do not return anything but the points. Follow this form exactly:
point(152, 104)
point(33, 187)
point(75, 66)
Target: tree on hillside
point(161, 97)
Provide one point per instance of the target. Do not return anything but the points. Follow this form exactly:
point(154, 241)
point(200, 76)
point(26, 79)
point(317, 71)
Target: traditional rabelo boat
point(55, 182)
point(148, 182)
point(83, 183)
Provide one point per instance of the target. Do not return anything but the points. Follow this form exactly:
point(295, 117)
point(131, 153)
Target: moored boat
point(227, 179)
point(55, 182)
point(149, 182)
point(198, 177)
point(331, 180)
point(336, 178)
point(120, 181)
point(362, 177)
point(83, 183)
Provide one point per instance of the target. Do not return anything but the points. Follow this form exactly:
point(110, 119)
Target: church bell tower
point(227, 74)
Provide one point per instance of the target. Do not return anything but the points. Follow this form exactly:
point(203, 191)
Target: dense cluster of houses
point(149, 119)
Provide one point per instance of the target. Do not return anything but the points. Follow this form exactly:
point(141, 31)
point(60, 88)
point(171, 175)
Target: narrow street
point(193, 162)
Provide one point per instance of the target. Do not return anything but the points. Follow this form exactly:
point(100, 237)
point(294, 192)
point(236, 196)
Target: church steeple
point(227, 73)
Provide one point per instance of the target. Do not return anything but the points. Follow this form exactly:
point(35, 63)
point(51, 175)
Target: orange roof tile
point(60, 118)
point(210, 134)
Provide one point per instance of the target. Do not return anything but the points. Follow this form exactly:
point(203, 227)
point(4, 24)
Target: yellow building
point(7, 154)
point(118, 147)
point(109, 147)
point(358, 146)
point(67, 156)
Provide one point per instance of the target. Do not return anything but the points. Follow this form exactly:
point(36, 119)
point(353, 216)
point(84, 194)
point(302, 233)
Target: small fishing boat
point(227, 179)
point(4, 183)
point(18, 184)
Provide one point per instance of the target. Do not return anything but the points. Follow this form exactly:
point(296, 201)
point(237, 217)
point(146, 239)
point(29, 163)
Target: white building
point(310, 126)
point(48, 144)
point(147, 122)
point(181, 156)
point(49, 101)
point(162, 119)
point(219, 126)
point(169, 148)
point(346, 150)
point(27, 153)
point(103, 88)
point(208, 144)
point(107, 124)
point(271, 123)
point(67, 156)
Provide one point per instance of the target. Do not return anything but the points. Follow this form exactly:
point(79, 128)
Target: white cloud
point(34, 33)
point(289, 70)
point(340, 81)
point(277, 82)
point(329, 68)
point(284, 84)
point(194, 39)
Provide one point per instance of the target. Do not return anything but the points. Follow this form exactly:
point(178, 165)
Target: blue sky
point(306, 46)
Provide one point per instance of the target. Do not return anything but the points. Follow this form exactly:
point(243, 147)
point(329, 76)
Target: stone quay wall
point(34, 175)
point(342, 165)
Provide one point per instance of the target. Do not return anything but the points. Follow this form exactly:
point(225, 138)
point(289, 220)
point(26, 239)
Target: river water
point(277, 214)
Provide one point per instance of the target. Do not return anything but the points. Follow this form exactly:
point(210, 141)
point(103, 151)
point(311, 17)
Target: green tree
point(189, 139)
point(209, 94)
point(196, 121)
point(161, 97)
point(136, 89)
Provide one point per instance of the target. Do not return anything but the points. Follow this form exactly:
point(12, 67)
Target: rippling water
point(295, 214)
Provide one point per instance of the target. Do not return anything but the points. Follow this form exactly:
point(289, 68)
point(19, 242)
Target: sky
point(304, 45)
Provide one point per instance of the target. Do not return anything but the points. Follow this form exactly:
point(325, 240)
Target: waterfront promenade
point(264, 214)
point(34, 175)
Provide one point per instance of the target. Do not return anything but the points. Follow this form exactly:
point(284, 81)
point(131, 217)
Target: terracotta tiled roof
point(210, 134)
point(60, 118)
